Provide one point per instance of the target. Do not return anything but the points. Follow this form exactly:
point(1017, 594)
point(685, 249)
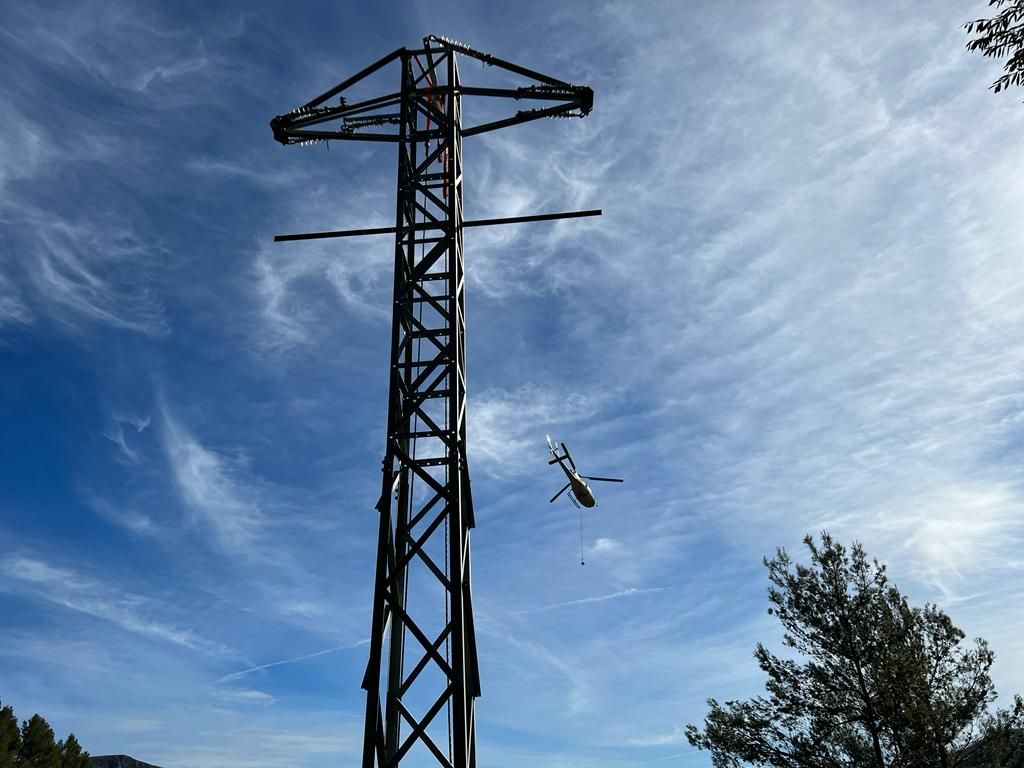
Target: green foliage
point(71, 754)
point(10, 738)
point(38, 748)
point(1001, 36)
point(33, 746)
point(882, 684)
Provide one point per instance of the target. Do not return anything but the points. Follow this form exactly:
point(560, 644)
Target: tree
point(882, 684)
point(10, 737)
point(38, 749)
point(1000, 36)
point(71, 754)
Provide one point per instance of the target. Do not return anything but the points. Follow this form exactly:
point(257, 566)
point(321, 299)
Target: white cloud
point(141, 699)
point(115, 434)
point(288, 278)
point(954, 535)
point(605, 545)
point(286, 322)
point(77, 269)
point(194, 63)
point(254, 169)
point(86, 271)
point(678, 736)
point(12, 308)
point(507, 425)
point(129, 611)
point(576, 693)
point(79, 38)
point(25, 150)
point(806, 294)
point(207, 484)
point(247, 696)
point(129, 518)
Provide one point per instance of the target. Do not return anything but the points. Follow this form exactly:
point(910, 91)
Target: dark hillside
point(118, 761)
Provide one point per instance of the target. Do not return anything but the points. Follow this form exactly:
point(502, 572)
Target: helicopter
point(581, 494)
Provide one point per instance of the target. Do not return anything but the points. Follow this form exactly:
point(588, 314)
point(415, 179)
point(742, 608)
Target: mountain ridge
point(118, 761)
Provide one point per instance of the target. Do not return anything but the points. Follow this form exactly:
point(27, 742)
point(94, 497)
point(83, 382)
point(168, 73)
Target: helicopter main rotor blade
point(564, 489)
point(604, 479)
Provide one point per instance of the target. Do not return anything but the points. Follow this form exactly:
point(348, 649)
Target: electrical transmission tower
point(423, 659)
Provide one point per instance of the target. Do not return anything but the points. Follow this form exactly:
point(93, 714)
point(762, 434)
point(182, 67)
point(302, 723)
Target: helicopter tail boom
point(559, 457)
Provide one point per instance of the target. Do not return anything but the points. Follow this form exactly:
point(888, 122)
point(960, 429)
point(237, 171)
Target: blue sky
point(802, 309)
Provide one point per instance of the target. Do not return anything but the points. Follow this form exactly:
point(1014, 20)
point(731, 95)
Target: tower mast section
point(423, 655)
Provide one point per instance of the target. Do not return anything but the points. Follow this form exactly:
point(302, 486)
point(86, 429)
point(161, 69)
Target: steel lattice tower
point(423, 657)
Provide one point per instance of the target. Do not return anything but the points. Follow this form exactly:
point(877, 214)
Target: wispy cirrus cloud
point(146, 697)
point(254, 169)
point(115, 434)
point(79, 253)
point(174, 69)
point(678, 736)
point(77, 271)
point(78, 592)
point(26, 149)
point(84, 271)
point(790, 332)
point(12, 307)
point(802, 312)
point(207, 484)
point(508, 424)
point(575, 694)
point(289, 279)
point(259, 535)
point(247, 696)
point(128, 517)
point(73, 268)
point(148, 51)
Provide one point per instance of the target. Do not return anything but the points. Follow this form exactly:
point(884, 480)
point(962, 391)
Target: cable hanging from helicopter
point(580, 494)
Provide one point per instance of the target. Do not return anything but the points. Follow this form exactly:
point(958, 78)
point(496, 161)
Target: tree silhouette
point(883, 684)
point(10, 738)
point(38, 748)
point(999, 36)
point(72, 755)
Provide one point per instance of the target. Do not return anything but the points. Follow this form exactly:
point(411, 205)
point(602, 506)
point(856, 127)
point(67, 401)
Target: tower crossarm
point(320, 120)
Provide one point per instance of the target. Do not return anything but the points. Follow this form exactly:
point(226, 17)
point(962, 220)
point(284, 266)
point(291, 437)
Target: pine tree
point(38, 748)
point(10, 738)
point(71, 754)
point(882, 684)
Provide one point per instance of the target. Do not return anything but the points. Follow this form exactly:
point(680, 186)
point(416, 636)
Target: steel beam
point(424, 227)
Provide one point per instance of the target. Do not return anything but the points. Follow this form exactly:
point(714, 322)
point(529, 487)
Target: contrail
point(236, 675)
point(599, 599)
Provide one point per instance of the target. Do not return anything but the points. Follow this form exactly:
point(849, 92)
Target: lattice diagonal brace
point(423, 658)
